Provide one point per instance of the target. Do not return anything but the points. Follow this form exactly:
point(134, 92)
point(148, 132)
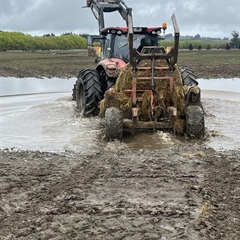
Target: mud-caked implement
point(137, 84)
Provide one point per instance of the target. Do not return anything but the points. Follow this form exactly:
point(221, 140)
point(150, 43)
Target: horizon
point(34, 34)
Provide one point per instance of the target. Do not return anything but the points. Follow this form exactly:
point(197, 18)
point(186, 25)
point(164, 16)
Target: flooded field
point(38, 114)
point(221, 100)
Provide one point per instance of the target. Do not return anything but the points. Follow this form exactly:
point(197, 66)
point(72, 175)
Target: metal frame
point(171, 56)
point(99, 7)
point(151, 53)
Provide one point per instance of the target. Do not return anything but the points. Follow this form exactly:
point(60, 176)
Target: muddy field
point(181, 191)
point(66, 64)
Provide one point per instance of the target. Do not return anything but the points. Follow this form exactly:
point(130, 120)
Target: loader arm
point(99, 7)
point(176, 39)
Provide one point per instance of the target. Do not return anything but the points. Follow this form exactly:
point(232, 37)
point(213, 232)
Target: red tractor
point(138, 49)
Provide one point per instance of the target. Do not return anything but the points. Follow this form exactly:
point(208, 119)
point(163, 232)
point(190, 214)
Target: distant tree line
point(198, 42)
point(69, 41)
point(235, 41)
point(196, 37)
point(25, 42)
point(190, 44)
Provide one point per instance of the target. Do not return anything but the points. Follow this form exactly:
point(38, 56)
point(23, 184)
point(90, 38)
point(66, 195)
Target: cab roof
point(136, 30)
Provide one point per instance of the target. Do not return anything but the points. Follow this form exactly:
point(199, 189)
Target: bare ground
point(188, 192)
point(66, 64)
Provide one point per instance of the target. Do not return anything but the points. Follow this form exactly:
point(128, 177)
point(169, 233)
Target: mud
point(179, 192)
point(66, 64)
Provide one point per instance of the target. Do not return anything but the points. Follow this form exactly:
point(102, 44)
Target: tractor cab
point(116, 42)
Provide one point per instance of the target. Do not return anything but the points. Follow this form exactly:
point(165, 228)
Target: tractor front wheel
point(114, 124)
point(195, 126)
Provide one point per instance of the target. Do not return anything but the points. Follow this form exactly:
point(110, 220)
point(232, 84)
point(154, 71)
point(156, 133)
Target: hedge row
point(21, 41)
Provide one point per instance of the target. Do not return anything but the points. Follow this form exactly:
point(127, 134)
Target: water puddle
point(38, 114)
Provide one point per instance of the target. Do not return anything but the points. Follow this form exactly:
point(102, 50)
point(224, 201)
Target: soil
point(181, 192)
point(212, 64)
point(186, 191)
point(66, 64)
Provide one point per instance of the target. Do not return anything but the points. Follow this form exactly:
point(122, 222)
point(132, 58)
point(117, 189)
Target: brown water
point(37, 115)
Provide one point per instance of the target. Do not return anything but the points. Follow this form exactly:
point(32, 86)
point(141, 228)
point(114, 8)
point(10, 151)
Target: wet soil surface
point(180, 192)
point(66, 64)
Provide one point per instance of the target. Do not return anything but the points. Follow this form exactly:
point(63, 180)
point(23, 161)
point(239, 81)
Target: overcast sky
point(209, 18)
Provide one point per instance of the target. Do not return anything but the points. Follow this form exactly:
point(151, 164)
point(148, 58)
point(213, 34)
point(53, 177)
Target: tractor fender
point(112, 66)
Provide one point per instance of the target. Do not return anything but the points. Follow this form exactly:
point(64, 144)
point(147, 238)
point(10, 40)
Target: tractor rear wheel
point(188, 76)
point(88, 92)
point(114, 124)
point(195, 126)
point(74, 90)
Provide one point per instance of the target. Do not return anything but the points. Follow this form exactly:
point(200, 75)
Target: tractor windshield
point(121, 49)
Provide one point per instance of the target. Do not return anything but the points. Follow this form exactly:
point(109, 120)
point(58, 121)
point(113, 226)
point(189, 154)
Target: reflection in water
point(48, 122)
point(227, 85)
point(19, 86)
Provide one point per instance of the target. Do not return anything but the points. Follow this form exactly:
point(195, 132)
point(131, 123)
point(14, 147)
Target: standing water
point(221, 100)
point(38, 114)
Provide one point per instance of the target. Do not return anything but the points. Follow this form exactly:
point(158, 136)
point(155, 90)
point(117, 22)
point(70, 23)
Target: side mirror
point(89, 40)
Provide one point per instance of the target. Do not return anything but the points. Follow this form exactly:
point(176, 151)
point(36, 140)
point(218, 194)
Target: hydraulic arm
point(99, 7)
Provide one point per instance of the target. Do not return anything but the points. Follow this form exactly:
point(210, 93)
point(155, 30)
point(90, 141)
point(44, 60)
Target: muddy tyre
point(113, 124)
point(188, 76)
point(195, 126)
point(74, 91)
point(88, 92)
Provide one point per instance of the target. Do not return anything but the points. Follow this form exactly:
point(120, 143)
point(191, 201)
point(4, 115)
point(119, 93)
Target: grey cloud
point(208, 18)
